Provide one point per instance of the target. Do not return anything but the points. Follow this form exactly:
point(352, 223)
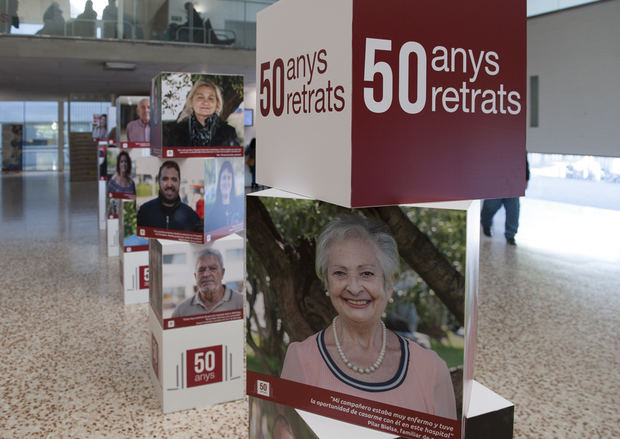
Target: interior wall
point(575, 55)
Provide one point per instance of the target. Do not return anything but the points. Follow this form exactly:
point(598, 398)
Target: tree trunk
point(421, 255)
point(303, 306)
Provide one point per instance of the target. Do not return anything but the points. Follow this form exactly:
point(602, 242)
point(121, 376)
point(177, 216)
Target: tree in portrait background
point(288, 302)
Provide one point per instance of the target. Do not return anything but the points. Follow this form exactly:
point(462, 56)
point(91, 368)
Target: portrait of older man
point(212, 294)
point(139, 130)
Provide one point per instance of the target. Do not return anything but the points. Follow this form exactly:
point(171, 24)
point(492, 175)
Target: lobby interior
point(75, 359)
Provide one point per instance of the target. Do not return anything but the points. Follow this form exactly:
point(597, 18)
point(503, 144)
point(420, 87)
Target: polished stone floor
point(75, 360)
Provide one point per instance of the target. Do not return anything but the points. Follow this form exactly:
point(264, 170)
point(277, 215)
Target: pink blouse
point(421, 383)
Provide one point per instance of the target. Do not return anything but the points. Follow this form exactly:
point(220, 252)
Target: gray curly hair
point(354, 226)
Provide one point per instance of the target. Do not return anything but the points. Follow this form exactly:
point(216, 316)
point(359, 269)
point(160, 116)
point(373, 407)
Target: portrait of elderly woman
point(200, 122)
point(357, 261)
point(121, 181)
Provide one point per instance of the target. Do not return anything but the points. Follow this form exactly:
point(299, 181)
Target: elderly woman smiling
point(199, 123)
point(357, 261)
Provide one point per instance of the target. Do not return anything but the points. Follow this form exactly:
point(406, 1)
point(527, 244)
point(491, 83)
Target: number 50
point(382, 68)
point(204, 361)
point(272, 91)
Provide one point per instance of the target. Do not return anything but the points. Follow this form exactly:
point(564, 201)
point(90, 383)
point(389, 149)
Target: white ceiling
point(56, 68)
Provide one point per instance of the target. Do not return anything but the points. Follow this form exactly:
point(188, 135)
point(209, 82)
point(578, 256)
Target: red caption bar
point(351, 409)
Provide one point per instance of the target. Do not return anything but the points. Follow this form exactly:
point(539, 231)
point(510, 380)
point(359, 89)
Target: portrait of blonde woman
point(200, 122)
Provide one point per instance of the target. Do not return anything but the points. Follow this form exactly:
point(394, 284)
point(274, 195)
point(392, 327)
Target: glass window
point(221, 22)
point(174, 258)
point(11, 112)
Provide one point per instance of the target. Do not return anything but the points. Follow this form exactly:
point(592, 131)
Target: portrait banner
point(12, 146)
point(197, 284)
point(121, 165)
point(196, 296)
point(223, 207)
point(133, 114)
point(362, 315)
point(169, 195)
point(197, 115)
point(130, 241)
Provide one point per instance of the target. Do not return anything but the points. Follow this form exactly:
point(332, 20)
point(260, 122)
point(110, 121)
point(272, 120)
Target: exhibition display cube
point(291, 359)
point(197, 351)
point(392, 102)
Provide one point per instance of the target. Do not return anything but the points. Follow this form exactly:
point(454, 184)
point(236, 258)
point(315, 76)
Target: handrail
point(222, 36)
point(144, 21)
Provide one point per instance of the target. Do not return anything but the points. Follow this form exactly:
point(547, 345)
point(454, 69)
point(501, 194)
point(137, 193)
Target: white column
point(61, 136)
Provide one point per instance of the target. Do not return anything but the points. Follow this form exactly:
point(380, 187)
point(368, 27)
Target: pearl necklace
point(346, 361)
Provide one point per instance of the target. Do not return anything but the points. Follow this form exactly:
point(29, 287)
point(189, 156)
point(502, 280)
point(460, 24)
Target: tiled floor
point(549, 317)
point(75, 360)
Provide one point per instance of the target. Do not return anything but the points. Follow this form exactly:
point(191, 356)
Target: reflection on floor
point(549, 314)
point(75, 360)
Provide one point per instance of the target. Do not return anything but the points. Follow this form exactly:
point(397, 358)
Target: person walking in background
point(512, 206)
point(250, 160)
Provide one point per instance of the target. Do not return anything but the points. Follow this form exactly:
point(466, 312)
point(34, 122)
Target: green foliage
point(129, 218)
point(300, 218)
point(174, 89)
point(111, 160)
point(254, 364)
point(304, 219)
point(452, 355)
point(144, 190)
point(446, 230)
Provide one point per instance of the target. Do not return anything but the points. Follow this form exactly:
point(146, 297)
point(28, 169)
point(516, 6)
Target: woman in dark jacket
point(199, 124)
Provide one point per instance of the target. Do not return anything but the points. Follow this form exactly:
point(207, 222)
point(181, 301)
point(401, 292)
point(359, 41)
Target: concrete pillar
point(61, 136)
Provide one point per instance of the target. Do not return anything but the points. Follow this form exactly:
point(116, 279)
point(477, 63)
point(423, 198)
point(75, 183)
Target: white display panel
point(135, 280)
point(101, 202)
point(292, 164)
point(134, 253)
point(197, 366)
point(290, 314)
point(112, 234)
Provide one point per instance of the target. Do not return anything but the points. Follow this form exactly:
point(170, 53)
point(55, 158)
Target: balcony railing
point(214, 22)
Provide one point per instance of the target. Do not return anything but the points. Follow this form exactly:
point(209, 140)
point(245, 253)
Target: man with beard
point(167, 211)
point(212, 295)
